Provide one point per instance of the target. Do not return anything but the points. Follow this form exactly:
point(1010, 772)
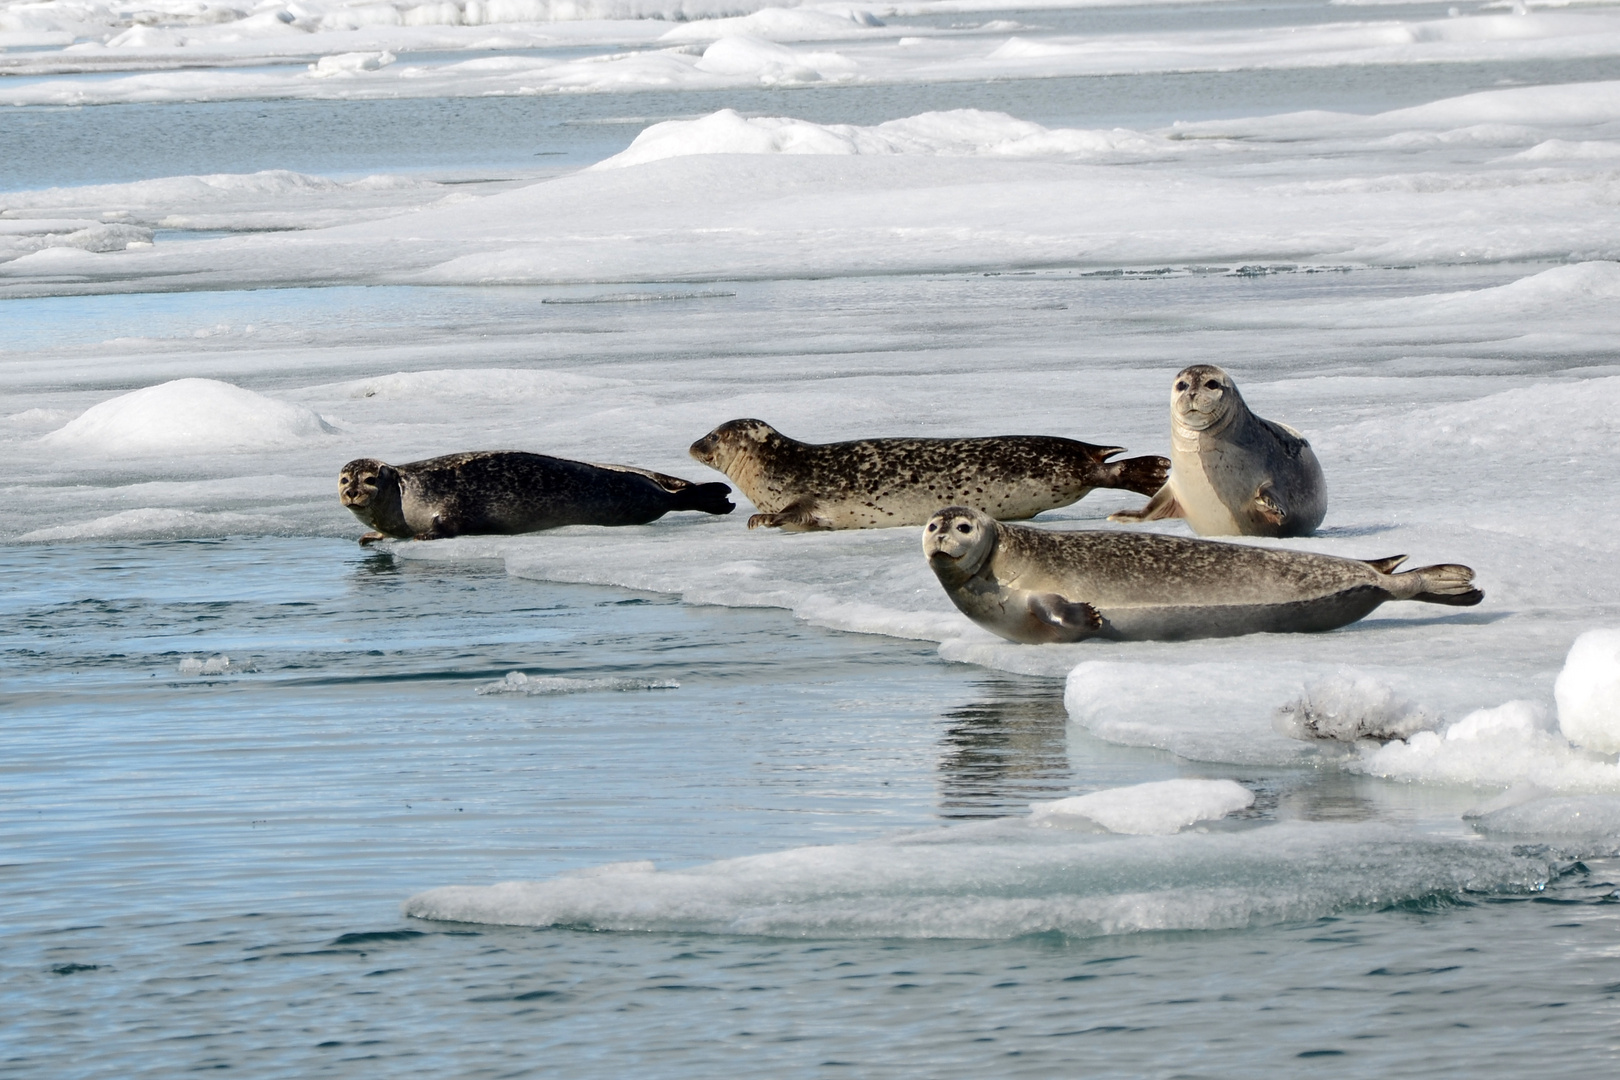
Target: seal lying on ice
point(876, 483)
point(1232, 473)
point(1034, 586)
point(509, 491)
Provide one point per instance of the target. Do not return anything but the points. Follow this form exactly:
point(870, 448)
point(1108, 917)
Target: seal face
point(1033, 586)
point(511, 491)
point(876, 483)
point(1233, 473)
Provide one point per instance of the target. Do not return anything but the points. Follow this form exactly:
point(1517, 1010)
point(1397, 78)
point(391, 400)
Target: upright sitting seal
point(1232, 473)
point(1034, 586)
point(509, 491)
point(876, 483)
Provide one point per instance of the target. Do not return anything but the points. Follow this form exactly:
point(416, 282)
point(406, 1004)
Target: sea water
point(779, 789)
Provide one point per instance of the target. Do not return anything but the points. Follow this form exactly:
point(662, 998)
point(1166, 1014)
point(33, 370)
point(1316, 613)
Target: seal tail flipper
point(1143, 475)
point(709, 498)
point(1071, 620)
point(1445, 583)
point(1162, 505)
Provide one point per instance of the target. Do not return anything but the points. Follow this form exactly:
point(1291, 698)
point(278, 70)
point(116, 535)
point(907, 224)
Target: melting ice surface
point(851, 827)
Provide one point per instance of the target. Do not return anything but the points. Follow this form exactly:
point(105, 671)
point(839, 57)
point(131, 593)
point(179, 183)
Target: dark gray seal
point(1034, 586)
point(510, 491)
point(876, 483)
point(1232, 473)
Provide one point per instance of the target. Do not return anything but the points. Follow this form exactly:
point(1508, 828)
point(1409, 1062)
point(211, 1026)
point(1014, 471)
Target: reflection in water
point(1005, 751)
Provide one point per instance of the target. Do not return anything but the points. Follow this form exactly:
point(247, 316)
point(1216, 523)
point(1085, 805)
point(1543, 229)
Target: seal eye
point(932, 528)
point(1212, 385)
point(1181, 386)
point(964, 527)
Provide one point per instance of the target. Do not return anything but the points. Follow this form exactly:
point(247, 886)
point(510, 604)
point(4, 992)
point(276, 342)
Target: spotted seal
point(876, 483)
point(1232, 473)
point(510, 491)
point(1035, 586)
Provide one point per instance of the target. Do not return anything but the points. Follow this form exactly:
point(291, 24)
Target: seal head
point(1203, 399)
point(370, 489)
point(957, 540)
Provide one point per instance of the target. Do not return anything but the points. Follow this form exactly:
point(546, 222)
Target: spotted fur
point(876, 483)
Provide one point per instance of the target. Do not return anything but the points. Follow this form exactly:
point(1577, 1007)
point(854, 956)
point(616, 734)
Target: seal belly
point(1174, 622)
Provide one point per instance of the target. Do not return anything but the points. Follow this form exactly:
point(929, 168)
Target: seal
point(510, 491)
point(1232, 473)
point(877, 483)
point(1033, 586)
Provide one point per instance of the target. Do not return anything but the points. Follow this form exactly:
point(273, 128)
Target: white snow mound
point(189, 415)
point(1588, 692)
point(952, 133)
point(1155, 809)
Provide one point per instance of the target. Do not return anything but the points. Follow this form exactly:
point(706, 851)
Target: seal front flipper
point(1162, 505)
point(797, 516)
point(371, 538)
point(1266, 508)
point(1069, 620)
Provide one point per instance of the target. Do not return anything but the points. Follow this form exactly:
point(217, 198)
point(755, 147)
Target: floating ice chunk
point(516, 682)
point(350, 64)
point(780, 24)
point(1207, 712)
point(21, 239)
point(770, 63)
point(1510, 744)
point(219, 664)
point(1592, 818)
point(1007, 879)
point(1348, 708)
point(1588, 692)
point(953, 133)
point(1154, 809)
point(161, 523)
point(189, 415)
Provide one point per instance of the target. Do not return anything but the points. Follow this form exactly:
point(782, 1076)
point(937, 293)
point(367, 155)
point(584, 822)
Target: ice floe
point(1153, 809)
point(1008, 879)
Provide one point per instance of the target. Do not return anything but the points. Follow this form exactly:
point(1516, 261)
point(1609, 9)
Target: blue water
point(205, 871)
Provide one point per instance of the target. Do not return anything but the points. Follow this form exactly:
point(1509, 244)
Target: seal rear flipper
point(1071, 620)
point(797, 516)
point(1143, 475)
point(709, 498)
point(1444, 583)
point(1162, 505)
